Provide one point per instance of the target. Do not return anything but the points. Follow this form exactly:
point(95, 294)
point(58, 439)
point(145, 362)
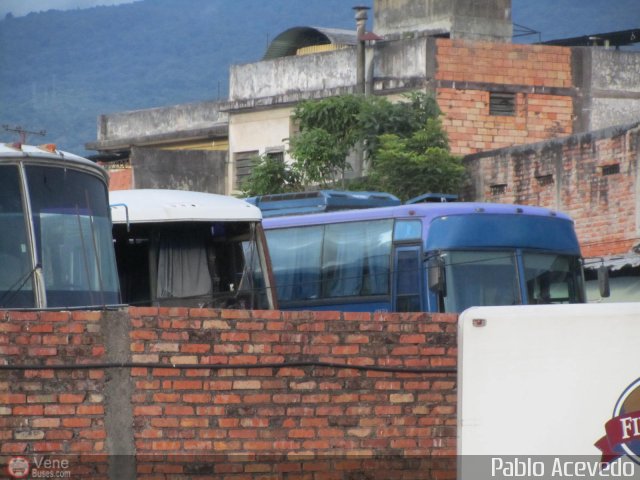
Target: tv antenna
point(23, 132)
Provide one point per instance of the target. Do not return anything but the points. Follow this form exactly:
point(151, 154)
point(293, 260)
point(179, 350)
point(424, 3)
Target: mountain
point(60, 70)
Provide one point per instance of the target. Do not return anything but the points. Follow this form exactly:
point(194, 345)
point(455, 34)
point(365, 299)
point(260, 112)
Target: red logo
point(623, 430)
point(18, 467)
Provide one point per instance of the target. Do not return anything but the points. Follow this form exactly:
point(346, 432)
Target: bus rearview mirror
point(603, 281)
point(435, 275)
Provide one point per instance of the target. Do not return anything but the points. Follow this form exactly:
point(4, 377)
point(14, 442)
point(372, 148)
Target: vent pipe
point(361, 28)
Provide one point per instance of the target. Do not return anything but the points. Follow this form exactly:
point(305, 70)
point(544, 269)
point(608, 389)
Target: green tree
point(406, 149)
point(329, 129)
point(319, 158)
point(420, 163)
point(379, 116)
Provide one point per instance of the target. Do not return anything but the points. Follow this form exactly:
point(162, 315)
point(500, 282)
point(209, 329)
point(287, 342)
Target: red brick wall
point(568, 175)
point(338, 419)
point(50, 411)
point(540, 76)
point(121, 179)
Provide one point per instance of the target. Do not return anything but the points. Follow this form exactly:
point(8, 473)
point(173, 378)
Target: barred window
point(502, 104)
point(499, 189)
point(244, 165)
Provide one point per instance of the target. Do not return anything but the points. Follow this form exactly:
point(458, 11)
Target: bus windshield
point(16, 280)
point(491, 278)
point(73, 237)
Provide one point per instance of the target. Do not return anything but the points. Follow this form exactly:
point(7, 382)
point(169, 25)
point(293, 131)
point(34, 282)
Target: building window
point(275, 154)
point(498, 189)
point(610, 169)
point(244, 165)
point(502, 104)
point(545, 180)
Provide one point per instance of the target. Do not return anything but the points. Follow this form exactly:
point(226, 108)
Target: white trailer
point(549, 391)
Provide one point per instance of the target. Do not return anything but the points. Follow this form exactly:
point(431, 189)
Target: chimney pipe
point(361, 27)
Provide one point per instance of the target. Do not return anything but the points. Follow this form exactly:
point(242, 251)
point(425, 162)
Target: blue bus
point(425, 257)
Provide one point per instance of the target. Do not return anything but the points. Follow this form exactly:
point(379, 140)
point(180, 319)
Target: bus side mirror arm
point(436, 276)
point(603, 281)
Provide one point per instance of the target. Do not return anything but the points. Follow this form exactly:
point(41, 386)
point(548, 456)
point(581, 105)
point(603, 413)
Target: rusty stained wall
point(196, 170)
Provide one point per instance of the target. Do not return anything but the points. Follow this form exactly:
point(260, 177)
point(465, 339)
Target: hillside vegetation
point(60, 70)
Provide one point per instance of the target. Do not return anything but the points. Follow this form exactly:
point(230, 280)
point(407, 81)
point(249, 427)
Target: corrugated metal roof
point(289, 41)
point(614, 262)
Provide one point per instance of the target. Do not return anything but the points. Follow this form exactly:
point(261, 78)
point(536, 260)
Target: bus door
point(407, 288)
point(408, 279)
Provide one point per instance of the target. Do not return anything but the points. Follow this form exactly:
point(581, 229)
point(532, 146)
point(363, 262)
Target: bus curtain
point(182, 266)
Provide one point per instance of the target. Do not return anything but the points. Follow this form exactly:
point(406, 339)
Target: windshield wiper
point(17, 286)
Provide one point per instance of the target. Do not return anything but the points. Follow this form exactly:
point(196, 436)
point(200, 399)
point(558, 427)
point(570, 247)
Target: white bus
point(55, 234)
point(192, 249)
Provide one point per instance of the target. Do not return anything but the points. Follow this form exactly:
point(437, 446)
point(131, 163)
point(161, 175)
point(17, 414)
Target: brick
point(75, 422)
point(54, 316)
point(402, 398)
point(165, 422)
point(147, 410)
point(143, 335)
point(166, 445)
point(310, 385)
point(216, 325)
point(10, 350)
point(194, 422)
point(197, 445)
point(165, 397)
point(46, 422)
point(52, 447)
point(165, 347)
point(42, 351)
point(9, 398)
point(301, 433)
point(260, 398)
point(165, 372)
point(13, 447)
point(246, 385)
point(224, 399)
point(195, 348)
point(71, 398)
point(93, 434)
point(179, 410)
point(187, 384)
point(415, 338)
point(29, 435)
point(36, 410)
point(243, 433)
point(196, 397)
point(90, 410)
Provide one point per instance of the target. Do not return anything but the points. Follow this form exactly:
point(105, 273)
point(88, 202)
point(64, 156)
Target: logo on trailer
point(623, 430)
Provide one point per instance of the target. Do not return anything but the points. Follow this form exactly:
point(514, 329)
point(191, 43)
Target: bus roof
point(419, 210)
point(158, 205)
point(10, 152)
point(317, 201)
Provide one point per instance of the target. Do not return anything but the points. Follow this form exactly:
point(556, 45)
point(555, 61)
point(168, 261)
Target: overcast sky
point(23, 7)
